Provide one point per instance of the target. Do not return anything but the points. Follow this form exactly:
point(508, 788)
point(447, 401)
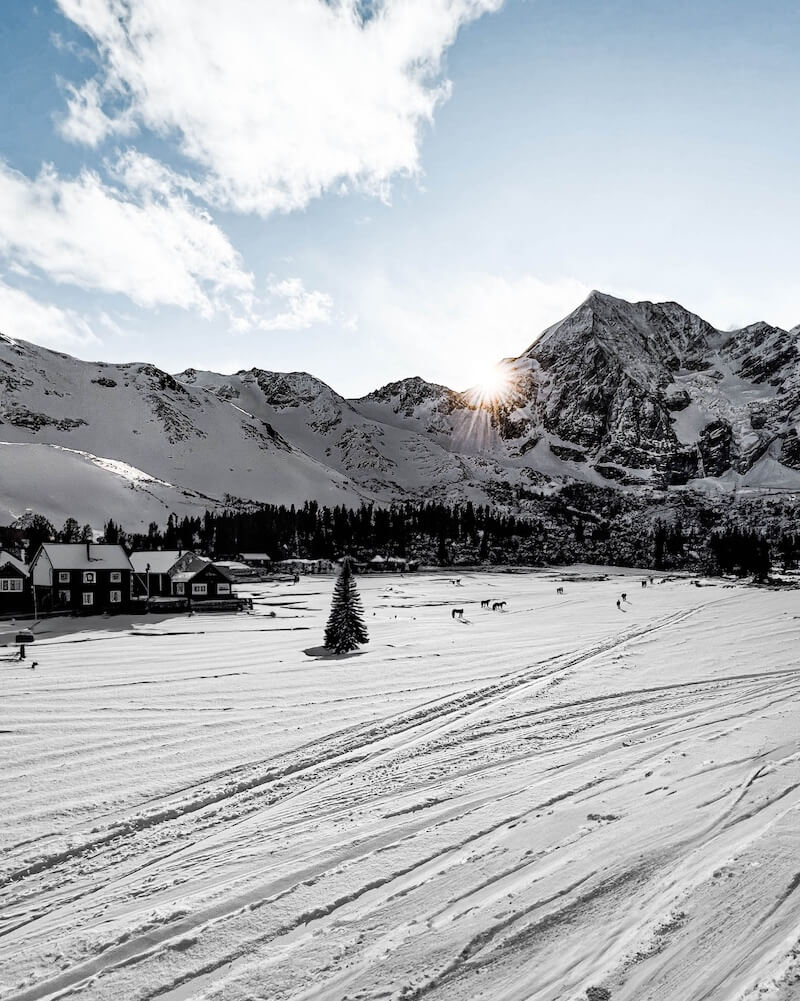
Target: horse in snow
point(457, 613)
point(498, 606)
point(559, 590)
point(486, 603)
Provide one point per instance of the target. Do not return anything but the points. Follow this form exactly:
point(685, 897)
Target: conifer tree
point(345, 630)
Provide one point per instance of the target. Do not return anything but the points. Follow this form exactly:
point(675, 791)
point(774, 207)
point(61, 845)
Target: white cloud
point(155, 250)
point(274, 103)
point(301, 309)
point(24, 317)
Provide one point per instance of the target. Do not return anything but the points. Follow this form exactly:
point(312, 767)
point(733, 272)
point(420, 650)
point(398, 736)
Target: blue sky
point(420, 192)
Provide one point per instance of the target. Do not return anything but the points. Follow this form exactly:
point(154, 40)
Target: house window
point(88, 598)
point(223, 589)
point(64, 597)
point(115, 597)
point(9, 584)
point(199, 588)
point(179, 589)
point(63, 576)
point(89, 577)
point(116, 577)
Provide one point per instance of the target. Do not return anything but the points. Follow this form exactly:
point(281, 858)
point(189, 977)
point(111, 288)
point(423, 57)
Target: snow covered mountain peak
point(632, 394)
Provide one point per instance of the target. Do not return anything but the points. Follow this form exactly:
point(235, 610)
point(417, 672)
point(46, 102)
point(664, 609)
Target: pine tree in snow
point(345, 630)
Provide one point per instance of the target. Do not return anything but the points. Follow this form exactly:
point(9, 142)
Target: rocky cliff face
point(648, 392)
point(617, 393)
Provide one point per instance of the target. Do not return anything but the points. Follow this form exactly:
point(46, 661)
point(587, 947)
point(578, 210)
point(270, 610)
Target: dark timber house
point(15, 586)
point(81, 577)
point(205, 583)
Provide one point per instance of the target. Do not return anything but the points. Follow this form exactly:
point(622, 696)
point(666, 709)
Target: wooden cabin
point(206, 583)
point(81, 577)
point(15, 586)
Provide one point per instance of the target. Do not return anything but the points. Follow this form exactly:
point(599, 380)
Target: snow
point(521, 805)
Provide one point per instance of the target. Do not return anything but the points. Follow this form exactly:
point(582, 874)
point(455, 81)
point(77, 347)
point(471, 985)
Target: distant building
point(387, 564)
point(81, 577)
point(154, 569)
point(15, 585)
point(297, 565)
point(239, 572)
point(205, 583)
point(256, 559)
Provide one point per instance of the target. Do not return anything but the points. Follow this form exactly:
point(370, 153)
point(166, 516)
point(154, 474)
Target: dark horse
point(457, 613)
point(486, 603)
point(498, 605)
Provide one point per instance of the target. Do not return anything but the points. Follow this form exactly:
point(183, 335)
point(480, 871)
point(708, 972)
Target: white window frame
point(199, 589)
point(88, 598)
point(11, 584)
point(223, 588)
point(115, 597)
point(63, 576)
point(180, 589)
point(116, 577)
point(65, 596)
point(89, 577)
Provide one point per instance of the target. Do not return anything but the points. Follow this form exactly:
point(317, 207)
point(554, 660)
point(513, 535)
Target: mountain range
point(634, 395)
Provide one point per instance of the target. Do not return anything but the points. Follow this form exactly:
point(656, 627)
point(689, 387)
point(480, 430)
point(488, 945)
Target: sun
point(495, 386)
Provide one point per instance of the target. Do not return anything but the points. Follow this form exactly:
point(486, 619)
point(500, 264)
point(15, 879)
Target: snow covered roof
point(186, 575)
point(377, 559)
point(6, 557)
point(85, 556)
point(256, 556)
point(160, 560)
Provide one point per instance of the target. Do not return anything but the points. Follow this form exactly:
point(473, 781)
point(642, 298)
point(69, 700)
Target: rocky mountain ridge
point(635, 395)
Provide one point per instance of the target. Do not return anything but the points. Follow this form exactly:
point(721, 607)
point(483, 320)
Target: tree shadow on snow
point(322, 653)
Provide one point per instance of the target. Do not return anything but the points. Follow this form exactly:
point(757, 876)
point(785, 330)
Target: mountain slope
point(193, 441)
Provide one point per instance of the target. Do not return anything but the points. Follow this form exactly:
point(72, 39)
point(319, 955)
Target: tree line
point(577, 524)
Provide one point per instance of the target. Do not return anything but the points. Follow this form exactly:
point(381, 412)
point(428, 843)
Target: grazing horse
point(486, 603)
point(498, 606)
point(457, 613)
point(559, 590)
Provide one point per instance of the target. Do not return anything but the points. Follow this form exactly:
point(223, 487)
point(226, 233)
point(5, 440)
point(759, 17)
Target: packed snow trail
point(553, 798)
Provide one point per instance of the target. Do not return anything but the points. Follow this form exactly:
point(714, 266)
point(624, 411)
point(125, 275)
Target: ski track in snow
point(554, 797)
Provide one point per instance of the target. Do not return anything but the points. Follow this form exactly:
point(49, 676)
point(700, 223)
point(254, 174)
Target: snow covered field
point(525, 805)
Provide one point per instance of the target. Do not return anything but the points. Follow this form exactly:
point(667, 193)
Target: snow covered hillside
point(617, 393)
point(524, 805)
point(197, 445)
